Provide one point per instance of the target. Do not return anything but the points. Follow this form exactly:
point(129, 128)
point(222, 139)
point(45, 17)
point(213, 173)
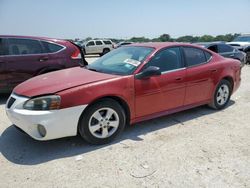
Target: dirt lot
point(196, 148)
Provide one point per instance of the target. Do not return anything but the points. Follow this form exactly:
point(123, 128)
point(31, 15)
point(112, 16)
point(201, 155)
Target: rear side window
point(3, 47)
point(208, 55)
point(51, 47)
point(167, 59)
point(223, 48)
point(107, 42)
point(98, 42)
point(24, 46)
point(194, 56)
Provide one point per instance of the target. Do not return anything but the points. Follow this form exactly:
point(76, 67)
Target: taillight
point(76, 54)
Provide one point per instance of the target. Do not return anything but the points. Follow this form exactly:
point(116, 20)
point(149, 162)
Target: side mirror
point(148, 72)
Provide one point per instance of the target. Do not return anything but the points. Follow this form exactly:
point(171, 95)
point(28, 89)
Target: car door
point(3, 61)
point(226, 50)
point(163, 92)
point(99, 46)
point(90, 47)
point(24, 59)
point(199, 82)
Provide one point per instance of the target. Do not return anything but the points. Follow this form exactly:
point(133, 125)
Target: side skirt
point(167, 112)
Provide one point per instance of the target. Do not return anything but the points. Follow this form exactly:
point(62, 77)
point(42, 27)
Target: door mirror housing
point(148, 72)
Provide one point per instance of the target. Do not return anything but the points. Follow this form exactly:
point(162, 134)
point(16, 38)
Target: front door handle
point(43, 59)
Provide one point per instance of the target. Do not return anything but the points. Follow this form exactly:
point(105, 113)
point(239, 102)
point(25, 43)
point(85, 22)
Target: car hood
point(239, 43)
point(54, 82)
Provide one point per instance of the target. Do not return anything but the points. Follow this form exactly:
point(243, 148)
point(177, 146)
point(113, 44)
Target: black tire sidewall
point(105, 51)
point(84, 121)
point(216, 104)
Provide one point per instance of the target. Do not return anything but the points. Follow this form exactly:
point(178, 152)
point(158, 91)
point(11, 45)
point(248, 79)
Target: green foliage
point(188, 38)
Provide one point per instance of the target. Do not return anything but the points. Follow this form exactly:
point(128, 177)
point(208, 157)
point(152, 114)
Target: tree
point(165, 38)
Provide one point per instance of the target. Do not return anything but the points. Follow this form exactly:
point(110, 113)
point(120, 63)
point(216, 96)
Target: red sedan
point(128, 85)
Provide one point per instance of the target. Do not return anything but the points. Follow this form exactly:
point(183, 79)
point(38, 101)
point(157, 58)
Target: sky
point(123, 18)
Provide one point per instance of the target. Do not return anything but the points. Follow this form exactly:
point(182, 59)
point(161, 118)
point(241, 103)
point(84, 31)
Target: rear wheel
point(222, 95)
point(102, 122)
point(106, 50)
point(248, 57)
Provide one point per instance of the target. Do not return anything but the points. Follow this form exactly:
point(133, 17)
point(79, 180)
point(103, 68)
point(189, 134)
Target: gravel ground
point(195, 148)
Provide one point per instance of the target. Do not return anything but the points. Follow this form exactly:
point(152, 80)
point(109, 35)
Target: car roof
point(159, 45)
point(29, 37)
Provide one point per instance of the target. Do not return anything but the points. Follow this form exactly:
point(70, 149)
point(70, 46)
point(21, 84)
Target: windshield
point(121, 61)
point(242, 39)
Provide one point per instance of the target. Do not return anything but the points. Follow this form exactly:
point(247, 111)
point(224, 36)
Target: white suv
point(100, 47)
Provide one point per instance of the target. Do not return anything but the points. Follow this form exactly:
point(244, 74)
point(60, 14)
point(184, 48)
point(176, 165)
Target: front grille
point(11, 102)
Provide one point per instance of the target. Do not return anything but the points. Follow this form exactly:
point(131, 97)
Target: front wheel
point(222, 95)
point(102, 122)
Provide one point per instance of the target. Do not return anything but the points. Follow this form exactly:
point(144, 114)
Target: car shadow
point(4, 98)
point(19, 148)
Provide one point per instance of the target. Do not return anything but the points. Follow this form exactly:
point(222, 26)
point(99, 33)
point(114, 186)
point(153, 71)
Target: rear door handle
point(178, 79)
point(214, 70)
point(43, 59)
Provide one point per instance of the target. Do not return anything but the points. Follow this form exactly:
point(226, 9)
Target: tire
point(248, 57)
point(222, 95)
point(83, 51)
point(94, 125)
point(106, 50)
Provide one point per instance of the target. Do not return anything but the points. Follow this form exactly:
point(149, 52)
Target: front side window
point(24, 46)
point(122, 61)
point(222, 48)
point(194, 56)
point(3, 47)
point(91, 43)
point(167, 59)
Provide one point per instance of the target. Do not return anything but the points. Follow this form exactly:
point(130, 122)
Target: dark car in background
point(242, 43)
point(23, 57)
point(225, 50)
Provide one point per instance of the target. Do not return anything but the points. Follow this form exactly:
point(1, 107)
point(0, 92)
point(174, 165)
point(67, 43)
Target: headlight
point(50, 102)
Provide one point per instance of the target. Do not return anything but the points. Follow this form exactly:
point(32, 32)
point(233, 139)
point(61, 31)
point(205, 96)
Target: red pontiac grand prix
point(128, 85)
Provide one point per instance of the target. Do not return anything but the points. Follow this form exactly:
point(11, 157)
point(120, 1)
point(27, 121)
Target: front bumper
point(58, 123)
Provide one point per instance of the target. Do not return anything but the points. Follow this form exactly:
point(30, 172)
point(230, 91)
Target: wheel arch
point(120, 101)
point(230, 79)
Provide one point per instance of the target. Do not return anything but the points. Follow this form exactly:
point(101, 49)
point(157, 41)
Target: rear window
point(24, 46)
point(51, 47)
point(107, 42)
